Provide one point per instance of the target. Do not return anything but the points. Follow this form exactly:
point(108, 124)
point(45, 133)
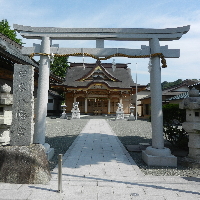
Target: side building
point(169, 95)
point(98, 87)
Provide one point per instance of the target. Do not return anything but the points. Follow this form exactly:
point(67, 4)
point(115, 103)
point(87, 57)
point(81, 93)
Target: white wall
point(50, 105)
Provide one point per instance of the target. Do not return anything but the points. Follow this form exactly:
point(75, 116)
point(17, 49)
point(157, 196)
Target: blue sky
point(117, 14)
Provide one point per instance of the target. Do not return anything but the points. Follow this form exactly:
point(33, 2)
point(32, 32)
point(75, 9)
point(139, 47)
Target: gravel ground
point(135, 132)
point(61, 133)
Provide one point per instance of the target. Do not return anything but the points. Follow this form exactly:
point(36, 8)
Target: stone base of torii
point(157, 154)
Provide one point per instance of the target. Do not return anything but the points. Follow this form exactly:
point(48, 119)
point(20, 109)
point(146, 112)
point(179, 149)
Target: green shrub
point(173, 117)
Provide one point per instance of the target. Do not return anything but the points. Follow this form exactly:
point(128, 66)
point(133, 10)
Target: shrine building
point(98, 87)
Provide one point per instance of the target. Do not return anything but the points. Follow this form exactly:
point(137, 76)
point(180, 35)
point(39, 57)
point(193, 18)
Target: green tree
point(6, 30)
point(165, 85)
point(59, 66)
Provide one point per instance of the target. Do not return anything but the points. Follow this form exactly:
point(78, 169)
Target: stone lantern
point(131, 117)
point(192, 124)
point(64, 115)
point(6, 101)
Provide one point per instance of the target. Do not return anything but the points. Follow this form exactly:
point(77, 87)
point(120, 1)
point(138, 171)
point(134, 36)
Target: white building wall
point(50, 105)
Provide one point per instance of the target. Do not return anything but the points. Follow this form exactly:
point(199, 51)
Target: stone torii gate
point(157, 154)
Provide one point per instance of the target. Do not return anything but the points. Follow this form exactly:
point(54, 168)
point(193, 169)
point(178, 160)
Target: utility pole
point(136, 95)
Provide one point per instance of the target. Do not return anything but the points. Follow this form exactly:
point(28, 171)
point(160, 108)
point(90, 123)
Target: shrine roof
point(11, 50)
point(55, 94)
point(119, 78)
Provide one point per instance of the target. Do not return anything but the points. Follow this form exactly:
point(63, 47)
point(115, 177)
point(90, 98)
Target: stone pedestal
point(6, 101)
point(131, 117)
point(64, 115)
point(75, 111)
point(120, 112)
point(159, 157)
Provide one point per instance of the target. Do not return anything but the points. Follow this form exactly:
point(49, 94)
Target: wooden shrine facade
point(98, 87)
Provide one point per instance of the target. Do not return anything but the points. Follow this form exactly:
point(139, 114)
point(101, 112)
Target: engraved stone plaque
point(22, 127)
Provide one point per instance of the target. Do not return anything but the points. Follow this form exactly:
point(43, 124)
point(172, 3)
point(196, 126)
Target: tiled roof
point(122, 74)
point(186, 82)
point(55, 94)
point(171, 91)
point(180, 96)
point(196, 85)
point(12, 50)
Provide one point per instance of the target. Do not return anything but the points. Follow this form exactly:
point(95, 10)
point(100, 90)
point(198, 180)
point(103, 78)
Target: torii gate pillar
point(42, 93)
point(157, 154)
point(42, 98)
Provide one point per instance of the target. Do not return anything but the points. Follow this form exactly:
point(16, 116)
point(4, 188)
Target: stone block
point(49, 151)
point(194, 153)
point(151, 160)
point(191, 126)
point(24, 165)
point(194, 140)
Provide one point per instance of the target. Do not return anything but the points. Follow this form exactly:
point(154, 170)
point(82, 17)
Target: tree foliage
point(166, 84)
point(6, 30)
point(172, 113)
point(59, 66)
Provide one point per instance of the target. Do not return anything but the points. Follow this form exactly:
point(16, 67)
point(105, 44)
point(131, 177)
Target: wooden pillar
point(108, 106)
point(86, 104)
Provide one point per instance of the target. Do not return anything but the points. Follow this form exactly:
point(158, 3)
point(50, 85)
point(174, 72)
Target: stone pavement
point(97, 167)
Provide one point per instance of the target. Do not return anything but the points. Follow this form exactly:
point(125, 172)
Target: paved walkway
point(97, 167)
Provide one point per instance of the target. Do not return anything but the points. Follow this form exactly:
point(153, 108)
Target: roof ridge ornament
point(113, 65)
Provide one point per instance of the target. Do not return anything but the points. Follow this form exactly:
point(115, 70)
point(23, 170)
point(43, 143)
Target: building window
point(50, 100)
point(147, 109)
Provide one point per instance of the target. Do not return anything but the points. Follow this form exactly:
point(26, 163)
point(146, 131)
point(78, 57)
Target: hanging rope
point(163, 60)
